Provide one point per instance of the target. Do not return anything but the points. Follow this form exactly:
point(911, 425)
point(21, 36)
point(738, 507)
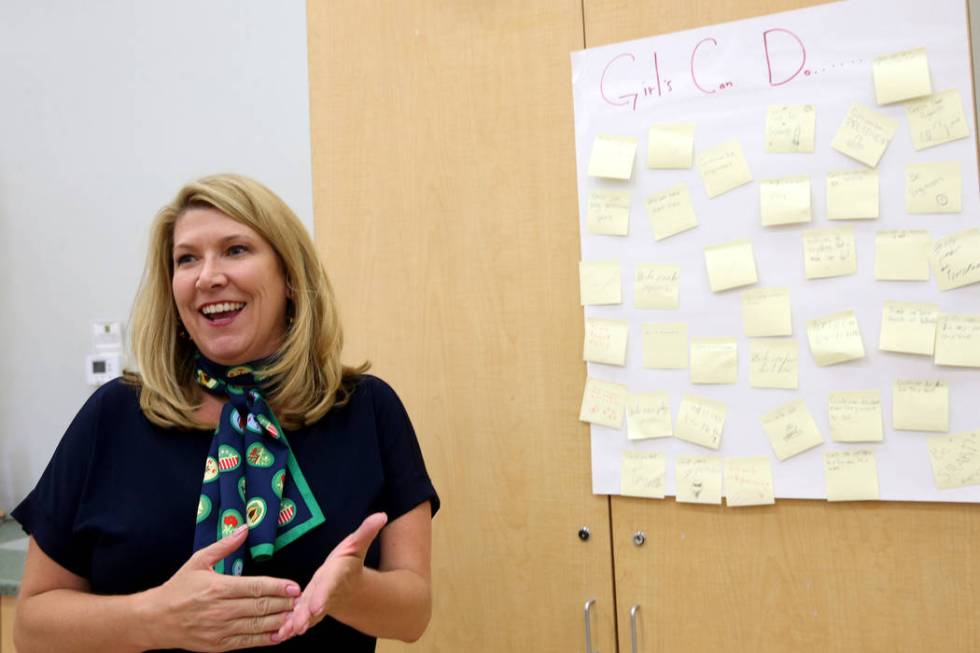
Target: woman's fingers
point(212, 554)
point(258, 587)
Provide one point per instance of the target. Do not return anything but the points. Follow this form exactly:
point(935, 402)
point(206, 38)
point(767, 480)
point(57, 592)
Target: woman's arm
point(197, 608)
point(394, 601)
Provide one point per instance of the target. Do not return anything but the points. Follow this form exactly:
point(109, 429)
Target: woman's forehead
point(206, 224)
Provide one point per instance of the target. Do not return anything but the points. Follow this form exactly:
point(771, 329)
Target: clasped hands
point(200, 610)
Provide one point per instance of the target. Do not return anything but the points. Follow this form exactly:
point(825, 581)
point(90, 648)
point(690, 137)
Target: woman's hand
point(201, 610)
point(336, 581)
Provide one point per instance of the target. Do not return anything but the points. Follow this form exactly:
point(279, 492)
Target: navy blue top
point(118, 501)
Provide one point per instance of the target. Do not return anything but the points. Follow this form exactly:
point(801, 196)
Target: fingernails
point(292, 590)
point(241, 529)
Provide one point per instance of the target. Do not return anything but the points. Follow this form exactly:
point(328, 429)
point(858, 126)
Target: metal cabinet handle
point(588, 626)
point(633, 611)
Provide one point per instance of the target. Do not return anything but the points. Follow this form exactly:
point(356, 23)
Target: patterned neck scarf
point(251, 475)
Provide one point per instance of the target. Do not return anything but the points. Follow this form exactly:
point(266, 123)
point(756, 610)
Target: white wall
point(106, 108)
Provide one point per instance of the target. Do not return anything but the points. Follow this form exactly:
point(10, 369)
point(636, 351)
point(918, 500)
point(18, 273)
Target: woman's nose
point(211, 275)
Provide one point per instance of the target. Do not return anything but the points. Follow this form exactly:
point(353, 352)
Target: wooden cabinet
point(444, 194)
point(446, 209)
point(8, 605)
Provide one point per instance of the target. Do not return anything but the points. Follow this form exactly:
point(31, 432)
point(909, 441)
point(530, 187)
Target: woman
point(242, 446)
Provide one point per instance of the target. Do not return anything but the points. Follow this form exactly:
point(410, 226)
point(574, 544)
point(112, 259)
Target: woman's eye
point(184, 258)
point(234, 250)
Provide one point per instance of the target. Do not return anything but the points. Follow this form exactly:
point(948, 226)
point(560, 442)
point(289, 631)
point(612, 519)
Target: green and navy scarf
point(251, 475)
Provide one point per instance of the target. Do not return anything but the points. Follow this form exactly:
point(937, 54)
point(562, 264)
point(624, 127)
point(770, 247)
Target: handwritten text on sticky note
point(791, 430)
point(864, 135)
point(608, 212)
point(642, 474)
point(656, 286)
point(901, 76)
point(933, 187)
point(723, 168)
point(604, 403)
point(936, 119)
point(701, 420)
point(698, 479)
point(829, 253)
point(902, 255)
point(835, 338)
point(851, 475)
point(648, 416)
point(855, 416)
point(790, 128)
point(748, 482)
point(920, 405)
point(852, 194)
point(671, 212)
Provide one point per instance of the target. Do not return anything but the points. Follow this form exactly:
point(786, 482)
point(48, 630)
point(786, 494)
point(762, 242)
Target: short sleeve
point(51, 512)
point(407, 482)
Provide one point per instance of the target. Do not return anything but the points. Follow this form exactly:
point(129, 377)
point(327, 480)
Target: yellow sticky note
point(936, 119)
point(643, 474)
point(714, 360)
point(665, 345)
point(901, 76)
point(784, 201)
point(851, 475)
point(956, 259)
point(723, 168)
point(958, 340)
point(671, 212)
point(600, 282)
point(766, 312)
point(933, 187)
point(852, 194)
point(648, 416)
point(697, 479)
point(790, 128)
point(920, 405)
point(670, 145)
point(605, 341)
point(774, 363)
point(855, 416)
point(748, 482)
point(864, 135)
point(791, 430)
point(829, 253)
point(902, 255)
point(730, 265)
point(908, 328)
point(608, 212)
point(657, 286)
point(612, 157)
point(701, 421)
point(955, 459)
point(835, 338)
point(604, 403)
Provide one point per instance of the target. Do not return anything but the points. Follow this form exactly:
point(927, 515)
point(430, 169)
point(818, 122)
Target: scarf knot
point(250, 475)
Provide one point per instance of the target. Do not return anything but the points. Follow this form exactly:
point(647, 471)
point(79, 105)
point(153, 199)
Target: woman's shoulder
point(368, 387)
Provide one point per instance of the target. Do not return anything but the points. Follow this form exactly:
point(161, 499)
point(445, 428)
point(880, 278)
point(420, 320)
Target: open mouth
point(222, 310)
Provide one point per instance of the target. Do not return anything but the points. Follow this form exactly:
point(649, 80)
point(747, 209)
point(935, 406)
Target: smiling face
point(229, 287)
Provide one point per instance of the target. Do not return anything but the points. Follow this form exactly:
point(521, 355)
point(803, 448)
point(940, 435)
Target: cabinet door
point(798, 576)
point(8, 605)
point(444, 177)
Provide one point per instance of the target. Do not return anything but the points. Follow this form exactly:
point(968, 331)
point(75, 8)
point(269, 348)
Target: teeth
point(222, 308)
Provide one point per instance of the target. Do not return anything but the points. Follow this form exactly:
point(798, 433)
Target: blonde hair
point(306, 379)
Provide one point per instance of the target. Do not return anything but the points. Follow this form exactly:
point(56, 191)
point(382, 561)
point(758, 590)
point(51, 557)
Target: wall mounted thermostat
point(107, 336)
point(102, 367)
